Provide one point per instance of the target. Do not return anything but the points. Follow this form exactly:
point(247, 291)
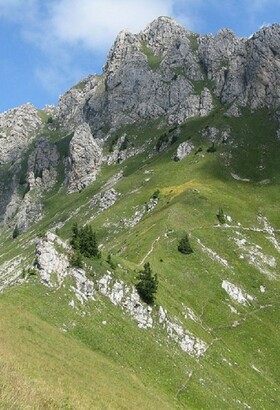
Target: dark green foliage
point(50, 120)
point(221, 216)
point(75, 241)
point(88, 242)
point(156, 194)
point(76, 260)
point(184, 246)
point(16, 232)
point(163, 139)
point(84, 240)
point(147, 285)
point(212, 148)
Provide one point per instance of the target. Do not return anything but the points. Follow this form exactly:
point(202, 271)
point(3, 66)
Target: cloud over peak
point(94, 24)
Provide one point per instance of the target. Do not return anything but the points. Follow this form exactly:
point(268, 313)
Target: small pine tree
point(156, 194)
point(75, 240)
point(184, 246)
point(147, 285)
point(221, 216)
point(16, 232)
point(84, 240)
point(92, 243)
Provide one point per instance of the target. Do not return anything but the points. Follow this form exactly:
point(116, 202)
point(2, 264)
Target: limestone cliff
point(164, 72)
point(169, 71)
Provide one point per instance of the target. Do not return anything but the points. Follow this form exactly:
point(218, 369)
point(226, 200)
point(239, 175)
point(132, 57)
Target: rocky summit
point(140, 246)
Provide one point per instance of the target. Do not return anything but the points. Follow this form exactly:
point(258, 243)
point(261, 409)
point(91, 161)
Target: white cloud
point(94, 24)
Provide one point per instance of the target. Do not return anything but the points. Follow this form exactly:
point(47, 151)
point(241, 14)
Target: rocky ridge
point(18, 128)
point(85, 158)
point(165, 71)
point(158, 71)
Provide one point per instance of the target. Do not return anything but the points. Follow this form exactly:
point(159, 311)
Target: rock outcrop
point(85, 159)
point(245, 71)
point(184, 149)
point(165, 72)
point(49, 261)
point(38, 176)
point(18, 127)
point(42, 166)
point(53, 268)
point(146, 76)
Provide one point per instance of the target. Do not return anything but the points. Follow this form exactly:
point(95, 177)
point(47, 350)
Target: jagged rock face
point(85, 159)
point(146, 76)
point(29, 212)
point(49, 260)
point(244, 70)
point(262, 74)
point(42, 165)
point(17, 129)
point(223, 58)
point(155, 73)
point(71, 104)
point(8, 188)
point(41, 175)
point(164, 71)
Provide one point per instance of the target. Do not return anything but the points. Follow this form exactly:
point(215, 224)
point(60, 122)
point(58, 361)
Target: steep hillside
point(179, 136)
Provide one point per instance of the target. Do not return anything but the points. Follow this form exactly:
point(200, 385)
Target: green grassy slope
point(95, 356)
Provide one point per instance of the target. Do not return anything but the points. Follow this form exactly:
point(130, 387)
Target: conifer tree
point(221, 216)
point(84, 240)
point(75, 236)
point(147, 285)
point(16, 232)
point(184, 246)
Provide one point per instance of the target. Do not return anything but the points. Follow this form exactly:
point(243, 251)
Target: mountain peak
point(164, 25)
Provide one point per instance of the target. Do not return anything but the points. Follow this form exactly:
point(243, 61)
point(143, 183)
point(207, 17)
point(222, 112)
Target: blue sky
point(48, 46)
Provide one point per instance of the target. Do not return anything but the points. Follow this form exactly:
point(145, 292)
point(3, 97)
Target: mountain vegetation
point(140, 230)
point(184, 245)
point(147, 285)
